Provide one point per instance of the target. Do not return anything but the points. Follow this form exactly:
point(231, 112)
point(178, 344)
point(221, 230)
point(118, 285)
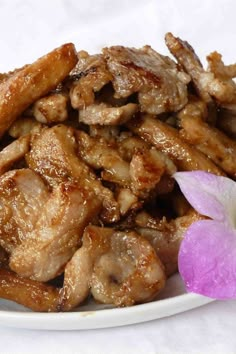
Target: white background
point(28, 29)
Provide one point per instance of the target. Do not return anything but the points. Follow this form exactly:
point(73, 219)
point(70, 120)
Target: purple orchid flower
point(207, 256)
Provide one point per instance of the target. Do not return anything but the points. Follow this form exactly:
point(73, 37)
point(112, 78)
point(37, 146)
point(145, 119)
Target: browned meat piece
point(99, 154)
point(120, 268)
point(90, 75)
point(32, 82)
point(168, 140)
point(24, 126)
point(127, 201)
point(218, 83)
point(32, 294)
point(218, 68)
point(56, 234)
point(166, 237)
point(223, 88)
point(212, 142)
point(188, 59)
point(129, 145)
point(106, 132)
point(14, 152)
point(103, 114)
point(22, 197)
point(160, 85)
point(142, 174)
point(51, 109)
point(147, 167)
point(194, 108)
point(54, 156)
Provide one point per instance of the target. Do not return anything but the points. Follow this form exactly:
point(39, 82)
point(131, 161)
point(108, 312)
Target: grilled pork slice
point(56, 234)
point(23, 194)
point(54, 156)
point(88, 77)
point(119, 268)
point(160, 85)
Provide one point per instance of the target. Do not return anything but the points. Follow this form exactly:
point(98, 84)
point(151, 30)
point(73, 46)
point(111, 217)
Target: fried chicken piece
point(212, 142)
point(165, 237)
point(160, 85)
point(104, 114)
point(54, 156)
point(89, 75)
point(167, 139)
point(14, 152)
point(22, 197)
point(25, 86)
point(34, 295)
point(56, 234)
point(51, 109)
point(119, 268)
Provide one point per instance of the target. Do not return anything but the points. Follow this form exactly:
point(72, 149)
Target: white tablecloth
point(29, 29)
point(209, 329)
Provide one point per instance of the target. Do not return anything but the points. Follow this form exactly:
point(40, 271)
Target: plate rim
point(104, 318)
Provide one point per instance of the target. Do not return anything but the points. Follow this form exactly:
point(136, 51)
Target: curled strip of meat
point(168, 140)
point(22, 197)
point(14, 152)
point(161, 87)
point(54, 156)
point(221, 87)
point(103, 114)
point(90, 75)
point(123, 269)
point(34, 295)
point(34, 81)
point(51, 109)
point(166, 237)
point(188, 59)
point(212, 142)
point(57, 233)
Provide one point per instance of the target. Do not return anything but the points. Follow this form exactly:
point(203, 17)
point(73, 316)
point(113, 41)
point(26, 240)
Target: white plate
point(171, 301)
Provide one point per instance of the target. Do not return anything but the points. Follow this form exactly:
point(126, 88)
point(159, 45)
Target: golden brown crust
point(34, 81)
point(32, 294)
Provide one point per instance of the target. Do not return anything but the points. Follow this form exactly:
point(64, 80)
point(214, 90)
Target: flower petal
point(207, 259)
point(210, 195)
